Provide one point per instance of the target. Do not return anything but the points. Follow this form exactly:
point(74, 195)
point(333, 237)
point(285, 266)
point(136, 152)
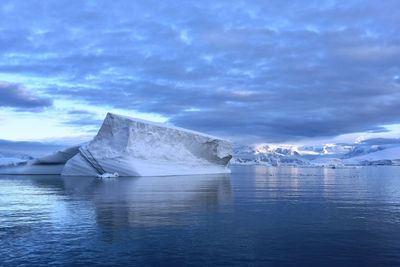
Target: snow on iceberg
point(134, 147)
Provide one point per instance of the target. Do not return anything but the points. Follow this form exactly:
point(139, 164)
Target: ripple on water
point(255, 216)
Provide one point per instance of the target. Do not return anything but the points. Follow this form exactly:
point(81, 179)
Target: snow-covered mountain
point(369, 152)
point(388, 156)
point(271, 155)
point(331, 150)
point(7, 157)
point(17, 151)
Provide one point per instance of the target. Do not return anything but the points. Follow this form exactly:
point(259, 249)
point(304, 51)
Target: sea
point(255, 216)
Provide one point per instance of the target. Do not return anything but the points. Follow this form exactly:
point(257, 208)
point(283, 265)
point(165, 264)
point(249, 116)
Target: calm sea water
point(256, 216)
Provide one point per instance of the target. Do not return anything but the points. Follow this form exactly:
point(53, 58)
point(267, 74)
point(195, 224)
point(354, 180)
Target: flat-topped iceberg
point(133, 147)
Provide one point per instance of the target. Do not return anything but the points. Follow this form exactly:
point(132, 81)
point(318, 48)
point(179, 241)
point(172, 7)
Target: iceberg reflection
point(151, 201)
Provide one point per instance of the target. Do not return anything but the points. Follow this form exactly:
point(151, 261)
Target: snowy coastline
point(331, 155)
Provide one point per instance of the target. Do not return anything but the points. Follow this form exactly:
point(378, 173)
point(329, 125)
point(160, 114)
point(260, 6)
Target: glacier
point(133, 147)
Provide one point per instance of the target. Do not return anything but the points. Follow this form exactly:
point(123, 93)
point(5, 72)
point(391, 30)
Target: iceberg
point(126, 146)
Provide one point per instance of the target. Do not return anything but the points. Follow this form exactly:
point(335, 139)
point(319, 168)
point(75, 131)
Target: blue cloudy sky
point(252, 71)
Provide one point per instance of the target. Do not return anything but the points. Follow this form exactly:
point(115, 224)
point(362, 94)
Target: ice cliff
point(133, 147)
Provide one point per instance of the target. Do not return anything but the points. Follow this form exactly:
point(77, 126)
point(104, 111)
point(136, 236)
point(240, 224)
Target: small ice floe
point(108, 175)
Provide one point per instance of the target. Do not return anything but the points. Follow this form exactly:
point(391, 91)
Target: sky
point(250, 71)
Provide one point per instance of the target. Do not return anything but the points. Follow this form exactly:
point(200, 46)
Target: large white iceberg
point(133, 147)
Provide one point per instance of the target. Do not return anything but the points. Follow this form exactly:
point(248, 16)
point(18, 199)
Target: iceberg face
point(132, 147)
point(126, 146)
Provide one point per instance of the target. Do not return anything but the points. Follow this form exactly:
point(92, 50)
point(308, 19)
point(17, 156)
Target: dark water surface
point(256, 216)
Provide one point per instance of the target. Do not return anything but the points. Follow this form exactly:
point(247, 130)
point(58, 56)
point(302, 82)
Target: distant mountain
point(365, 148)
point(30, 148)
point(378, 151)
point(331, 150)
point(15, 151)
point(388, 156)
point(12, 157)
point(270, 155)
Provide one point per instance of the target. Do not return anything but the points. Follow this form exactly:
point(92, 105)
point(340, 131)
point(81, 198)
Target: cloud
point(30, 148)
point(80, 112)
point(276, 71)
point(381, 141)
point(17, 96)
point(82, 118)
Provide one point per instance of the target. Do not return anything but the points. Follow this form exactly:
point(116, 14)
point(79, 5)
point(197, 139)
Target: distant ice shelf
point(134, 147)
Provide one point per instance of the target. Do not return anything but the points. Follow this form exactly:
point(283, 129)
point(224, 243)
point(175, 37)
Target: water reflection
point(147, 201)
point(257, 216)
point(87, 203)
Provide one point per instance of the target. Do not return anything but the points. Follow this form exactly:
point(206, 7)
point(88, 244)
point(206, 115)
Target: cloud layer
point(17, 96)
point(258, 70)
